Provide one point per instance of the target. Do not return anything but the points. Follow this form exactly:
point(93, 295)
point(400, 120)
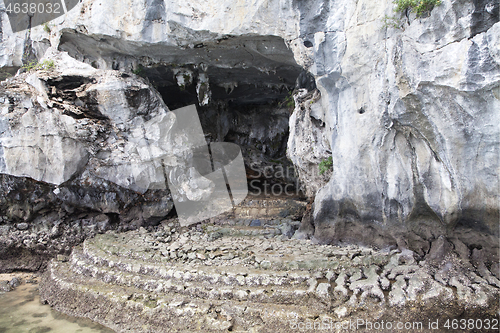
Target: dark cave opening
point(241, 85)
point(253, 113)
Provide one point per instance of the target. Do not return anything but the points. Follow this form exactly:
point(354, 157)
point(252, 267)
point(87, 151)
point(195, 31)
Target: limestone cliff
point(407, 107)
point(410, 111)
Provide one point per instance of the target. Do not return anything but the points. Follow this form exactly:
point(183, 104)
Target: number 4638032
point(34, 8)
point(471, 324)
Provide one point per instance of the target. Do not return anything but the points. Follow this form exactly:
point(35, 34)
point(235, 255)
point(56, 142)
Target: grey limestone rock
point(408, 114)
point(410, 117)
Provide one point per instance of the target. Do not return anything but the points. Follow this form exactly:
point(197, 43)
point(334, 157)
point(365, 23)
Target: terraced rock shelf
point(230, 276)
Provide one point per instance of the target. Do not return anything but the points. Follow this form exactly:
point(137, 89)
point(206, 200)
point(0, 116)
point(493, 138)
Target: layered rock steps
point(178, 280)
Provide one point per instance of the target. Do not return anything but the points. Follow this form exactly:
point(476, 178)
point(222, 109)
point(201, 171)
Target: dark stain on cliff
point(480, 63)
point(313, 16)
point(305, 81)
point(486, 14)
point(156, 10)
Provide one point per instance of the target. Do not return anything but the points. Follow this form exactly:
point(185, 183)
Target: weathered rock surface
point(188, 280)
point(85, 148)
point(83, 152)
point(74, 158)
point(410, 115)
point(408, 112)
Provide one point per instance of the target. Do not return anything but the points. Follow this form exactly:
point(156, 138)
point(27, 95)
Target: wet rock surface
point(9, 282)
point(38, 224)
point(192, 279)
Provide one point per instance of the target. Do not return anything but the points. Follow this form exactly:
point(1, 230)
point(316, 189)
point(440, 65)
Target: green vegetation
point(46, 28)
point(325, 165)
point(138, 70)
point(392, 21)
point(44, 65)
point(288, 102)
point(418, 6)
point(48, 64)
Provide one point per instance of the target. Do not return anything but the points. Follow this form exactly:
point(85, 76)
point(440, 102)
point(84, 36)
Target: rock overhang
point(249, 69)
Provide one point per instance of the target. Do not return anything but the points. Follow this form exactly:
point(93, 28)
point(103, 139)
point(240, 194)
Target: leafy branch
point(325, 165)
point(288, 102)
point(418, 6)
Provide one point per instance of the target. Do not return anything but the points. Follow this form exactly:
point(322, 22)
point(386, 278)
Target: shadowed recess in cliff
point(242, 85)
point(254, 116)
point(486, 13)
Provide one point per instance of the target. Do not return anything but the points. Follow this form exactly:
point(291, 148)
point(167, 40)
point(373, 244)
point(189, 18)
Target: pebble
point(323, 290)
point(265, 264)
point(15, 282)
point(62, 258)
point(5, 286)
point(330, 276)
point(341, 312)
point(228, 256)
point(255, 223)
point(22, 226)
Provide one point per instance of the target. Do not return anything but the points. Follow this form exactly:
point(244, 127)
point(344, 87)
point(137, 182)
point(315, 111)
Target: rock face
point(400, 113)
point(406, 107)
point(410, 113)
point(74, 158)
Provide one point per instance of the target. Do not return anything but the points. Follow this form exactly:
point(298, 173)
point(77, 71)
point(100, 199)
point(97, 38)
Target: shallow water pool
point(21, 311)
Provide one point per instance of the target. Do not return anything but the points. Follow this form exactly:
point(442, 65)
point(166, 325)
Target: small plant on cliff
point(139, 70)
point(47, 64)
point(46, 28)
point(325, 165)
point(30, 65)
point(44, 65)
point(288, 102)
point(418, 6)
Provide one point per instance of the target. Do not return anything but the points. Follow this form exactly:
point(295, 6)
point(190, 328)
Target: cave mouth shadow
point(241, 84)
point(255, 117)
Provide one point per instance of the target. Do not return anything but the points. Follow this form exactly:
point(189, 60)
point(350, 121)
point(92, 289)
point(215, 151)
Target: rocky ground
point(11, 281)
point(248, 275)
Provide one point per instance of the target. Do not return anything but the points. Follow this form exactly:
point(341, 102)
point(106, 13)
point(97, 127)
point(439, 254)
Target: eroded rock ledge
point(407, 113)
point(211, 280)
